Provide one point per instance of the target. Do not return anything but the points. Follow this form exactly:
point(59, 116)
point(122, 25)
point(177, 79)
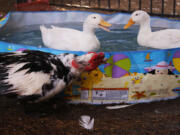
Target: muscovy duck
point(36, 75)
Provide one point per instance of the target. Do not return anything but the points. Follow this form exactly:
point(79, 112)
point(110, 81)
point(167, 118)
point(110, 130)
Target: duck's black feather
point(34, 61)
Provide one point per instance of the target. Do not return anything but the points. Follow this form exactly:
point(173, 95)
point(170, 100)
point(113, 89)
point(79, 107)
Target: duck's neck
point(145, 28)
point(88, 28)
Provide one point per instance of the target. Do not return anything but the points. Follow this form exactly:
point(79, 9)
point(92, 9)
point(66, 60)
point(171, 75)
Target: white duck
point(163, 39)
point(74, 40)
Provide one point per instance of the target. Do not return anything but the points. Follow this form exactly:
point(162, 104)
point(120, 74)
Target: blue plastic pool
point(132, 73)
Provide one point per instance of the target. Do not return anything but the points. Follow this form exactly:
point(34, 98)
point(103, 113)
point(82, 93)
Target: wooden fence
point(167, 8)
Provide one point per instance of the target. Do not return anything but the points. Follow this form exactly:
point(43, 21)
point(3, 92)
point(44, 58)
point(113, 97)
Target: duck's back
point(163, 39)
point(69, 39)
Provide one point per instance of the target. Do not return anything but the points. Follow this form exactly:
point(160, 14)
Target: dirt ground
point(57, 117)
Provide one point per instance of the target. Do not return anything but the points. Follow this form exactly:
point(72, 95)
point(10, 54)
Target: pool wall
point(128, 76)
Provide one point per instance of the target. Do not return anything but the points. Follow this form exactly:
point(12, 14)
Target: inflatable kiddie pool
point(129, 76)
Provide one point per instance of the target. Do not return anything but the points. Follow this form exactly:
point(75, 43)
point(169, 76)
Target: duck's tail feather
point(43, 28)
point(53, 27)
point(5, 88)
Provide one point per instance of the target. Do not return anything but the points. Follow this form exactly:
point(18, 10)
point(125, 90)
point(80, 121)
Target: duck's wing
point(23, 72)
point(62, 38)
point(32, 74)
point(168, 38)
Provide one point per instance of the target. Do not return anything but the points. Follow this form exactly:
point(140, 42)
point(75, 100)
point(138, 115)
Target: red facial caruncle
point(95, 61)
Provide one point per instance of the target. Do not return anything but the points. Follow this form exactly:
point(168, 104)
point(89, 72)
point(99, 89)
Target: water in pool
point(117, 39)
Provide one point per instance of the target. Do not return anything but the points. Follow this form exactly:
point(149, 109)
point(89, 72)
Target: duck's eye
point(94, 17)
point(136, 14)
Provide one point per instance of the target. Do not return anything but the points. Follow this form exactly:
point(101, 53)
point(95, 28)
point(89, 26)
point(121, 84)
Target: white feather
point(86, 122)
point(117, 107)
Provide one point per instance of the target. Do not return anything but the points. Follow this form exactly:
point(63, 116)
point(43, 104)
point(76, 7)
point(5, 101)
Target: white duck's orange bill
point(104, 25)
point(129, 24)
